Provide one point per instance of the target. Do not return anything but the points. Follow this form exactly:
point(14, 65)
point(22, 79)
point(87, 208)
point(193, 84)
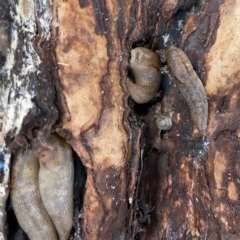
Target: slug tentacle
point(145, 67)
point(190, 86)
point(56, 185)
point(26, 199)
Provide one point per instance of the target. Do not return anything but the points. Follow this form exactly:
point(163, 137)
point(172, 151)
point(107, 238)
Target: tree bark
point(64, 66)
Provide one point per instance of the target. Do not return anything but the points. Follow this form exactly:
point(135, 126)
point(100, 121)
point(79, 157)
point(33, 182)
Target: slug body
point(144, 67)
point(190, 86)
point(26, 199)
point(56, 184)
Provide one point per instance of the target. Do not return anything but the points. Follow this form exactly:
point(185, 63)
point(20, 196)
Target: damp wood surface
point(64, 68)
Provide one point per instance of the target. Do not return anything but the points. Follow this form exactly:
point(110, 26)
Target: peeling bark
point(64, 67)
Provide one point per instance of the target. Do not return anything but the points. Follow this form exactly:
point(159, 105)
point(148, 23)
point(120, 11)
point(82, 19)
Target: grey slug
point(26, 199)
point(145, 67)
point(56, 184)
point(163, 114)
point(164, 121)
point(190, 86)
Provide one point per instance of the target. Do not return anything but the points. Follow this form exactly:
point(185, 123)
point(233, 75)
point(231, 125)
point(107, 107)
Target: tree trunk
point(64, 66)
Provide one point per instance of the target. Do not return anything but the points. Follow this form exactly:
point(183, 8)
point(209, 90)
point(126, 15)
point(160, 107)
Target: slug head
point(25, 167)
point(179, 65)
point(58, 154)
point(143, 58)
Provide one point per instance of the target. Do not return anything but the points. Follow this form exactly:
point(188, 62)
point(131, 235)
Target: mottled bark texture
point(64, 66)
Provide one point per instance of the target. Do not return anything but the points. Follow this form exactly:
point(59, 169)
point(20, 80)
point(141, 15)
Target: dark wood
point(140, 182)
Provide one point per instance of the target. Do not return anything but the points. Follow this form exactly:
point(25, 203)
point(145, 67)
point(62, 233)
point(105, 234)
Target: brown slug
point(144, 68)
point(56, 184)
point(190, 86)
point(26, 199)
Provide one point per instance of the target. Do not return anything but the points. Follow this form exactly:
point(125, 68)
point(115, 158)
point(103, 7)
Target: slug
point(144, 68)
point(26, 199)
point(164, 121)
point(190, 86)
point(56, 184)
point(163, 114)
